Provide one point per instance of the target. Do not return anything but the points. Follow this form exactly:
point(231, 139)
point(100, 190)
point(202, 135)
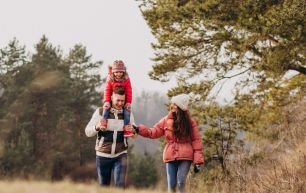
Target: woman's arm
point(156, 132)
point(197, 146)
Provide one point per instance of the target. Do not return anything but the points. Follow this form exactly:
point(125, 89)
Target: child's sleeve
point(108, 90)
point(128, 91)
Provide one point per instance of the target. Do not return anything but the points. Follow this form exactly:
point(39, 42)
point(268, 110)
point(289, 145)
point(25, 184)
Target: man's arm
point(90, 129)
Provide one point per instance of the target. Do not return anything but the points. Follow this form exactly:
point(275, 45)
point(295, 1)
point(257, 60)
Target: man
point(111, 145)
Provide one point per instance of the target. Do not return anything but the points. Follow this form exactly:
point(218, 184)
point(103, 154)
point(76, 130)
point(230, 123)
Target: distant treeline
point(46, 100)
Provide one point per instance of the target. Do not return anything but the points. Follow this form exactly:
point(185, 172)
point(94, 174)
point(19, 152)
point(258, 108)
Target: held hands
point(196, 168)
point(136, 129)
point(129, 131)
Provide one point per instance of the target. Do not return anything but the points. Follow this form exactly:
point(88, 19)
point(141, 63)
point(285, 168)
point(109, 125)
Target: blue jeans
point(105, 166)
point(126, 115)
point(176, 174)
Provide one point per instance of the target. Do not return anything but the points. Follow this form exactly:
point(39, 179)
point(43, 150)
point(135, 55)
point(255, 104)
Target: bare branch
point(236, 74)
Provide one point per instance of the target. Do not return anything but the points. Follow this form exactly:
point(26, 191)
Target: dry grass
point(281, 167)
point(61, 187)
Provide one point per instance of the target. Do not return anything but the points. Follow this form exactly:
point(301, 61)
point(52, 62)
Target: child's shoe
point(127, 132)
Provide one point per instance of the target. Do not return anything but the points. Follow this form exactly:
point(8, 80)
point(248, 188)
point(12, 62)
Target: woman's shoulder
point(162, 121)
point(167, 119)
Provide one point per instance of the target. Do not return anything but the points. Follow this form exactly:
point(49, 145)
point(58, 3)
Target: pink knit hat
point(118, 66)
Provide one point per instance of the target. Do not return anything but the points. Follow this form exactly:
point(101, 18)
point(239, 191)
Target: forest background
point(254, 141)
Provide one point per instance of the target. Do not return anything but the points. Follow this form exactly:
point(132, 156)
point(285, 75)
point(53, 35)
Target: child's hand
point(106, 105)
point(128, 106)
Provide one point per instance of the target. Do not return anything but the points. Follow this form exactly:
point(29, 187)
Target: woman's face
point(173, 108)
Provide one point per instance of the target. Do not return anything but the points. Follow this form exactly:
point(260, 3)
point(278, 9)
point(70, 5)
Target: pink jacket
point(184, 149)
point(111, 84)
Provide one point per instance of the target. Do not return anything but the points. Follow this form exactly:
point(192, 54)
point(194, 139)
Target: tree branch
point(237, 74)
point(298, 68)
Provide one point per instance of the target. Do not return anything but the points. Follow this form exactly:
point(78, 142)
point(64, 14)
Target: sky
point(109, 29)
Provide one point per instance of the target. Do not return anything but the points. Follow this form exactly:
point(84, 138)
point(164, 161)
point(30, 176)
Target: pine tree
point(205, 41)
point(84, 80)
point(47, 105)
point(143, 172)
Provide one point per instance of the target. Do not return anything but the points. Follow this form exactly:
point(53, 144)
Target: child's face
point(118, 75)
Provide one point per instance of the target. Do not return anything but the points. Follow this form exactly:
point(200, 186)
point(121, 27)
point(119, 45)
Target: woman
point(183, 142)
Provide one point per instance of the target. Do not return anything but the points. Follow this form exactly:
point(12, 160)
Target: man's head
point(118, 98)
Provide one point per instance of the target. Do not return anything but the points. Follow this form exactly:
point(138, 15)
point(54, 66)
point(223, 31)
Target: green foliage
point(13, 59)
point(223, 135)
point(47, 101)
point(220, 39)
point(205, 43)
point(143, 172)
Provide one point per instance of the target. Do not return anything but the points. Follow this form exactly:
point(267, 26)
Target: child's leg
point(105, 114)
point(126, 114)
point(126, 122)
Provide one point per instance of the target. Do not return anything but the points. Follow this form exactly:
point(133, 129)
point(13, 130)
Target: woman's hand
point(196, 168)
point(136, 129)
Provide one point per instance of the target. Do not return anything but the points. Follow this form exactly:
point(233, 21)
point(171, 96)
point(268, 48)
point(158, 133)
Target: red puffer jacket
point(111, 84)
point(184, 149)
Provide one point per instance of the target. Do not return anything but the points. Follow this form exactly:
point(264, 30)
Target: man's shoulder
point(98, 111)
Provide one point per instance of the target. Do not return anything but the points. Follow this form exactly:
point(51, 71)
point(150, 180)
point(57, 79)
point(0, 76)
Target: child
point(117, 76)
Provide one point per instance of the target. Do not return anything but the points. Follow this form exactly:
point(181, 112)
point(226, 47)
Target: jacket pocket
point(169, 133)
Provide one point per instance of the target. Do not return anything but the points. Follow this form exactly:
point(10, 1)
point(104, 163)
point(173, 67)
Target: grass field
point(61, 187)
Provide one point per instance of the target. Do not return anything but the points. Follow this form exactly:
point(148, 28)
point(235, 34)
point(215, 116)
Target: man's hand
point(100, 126)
